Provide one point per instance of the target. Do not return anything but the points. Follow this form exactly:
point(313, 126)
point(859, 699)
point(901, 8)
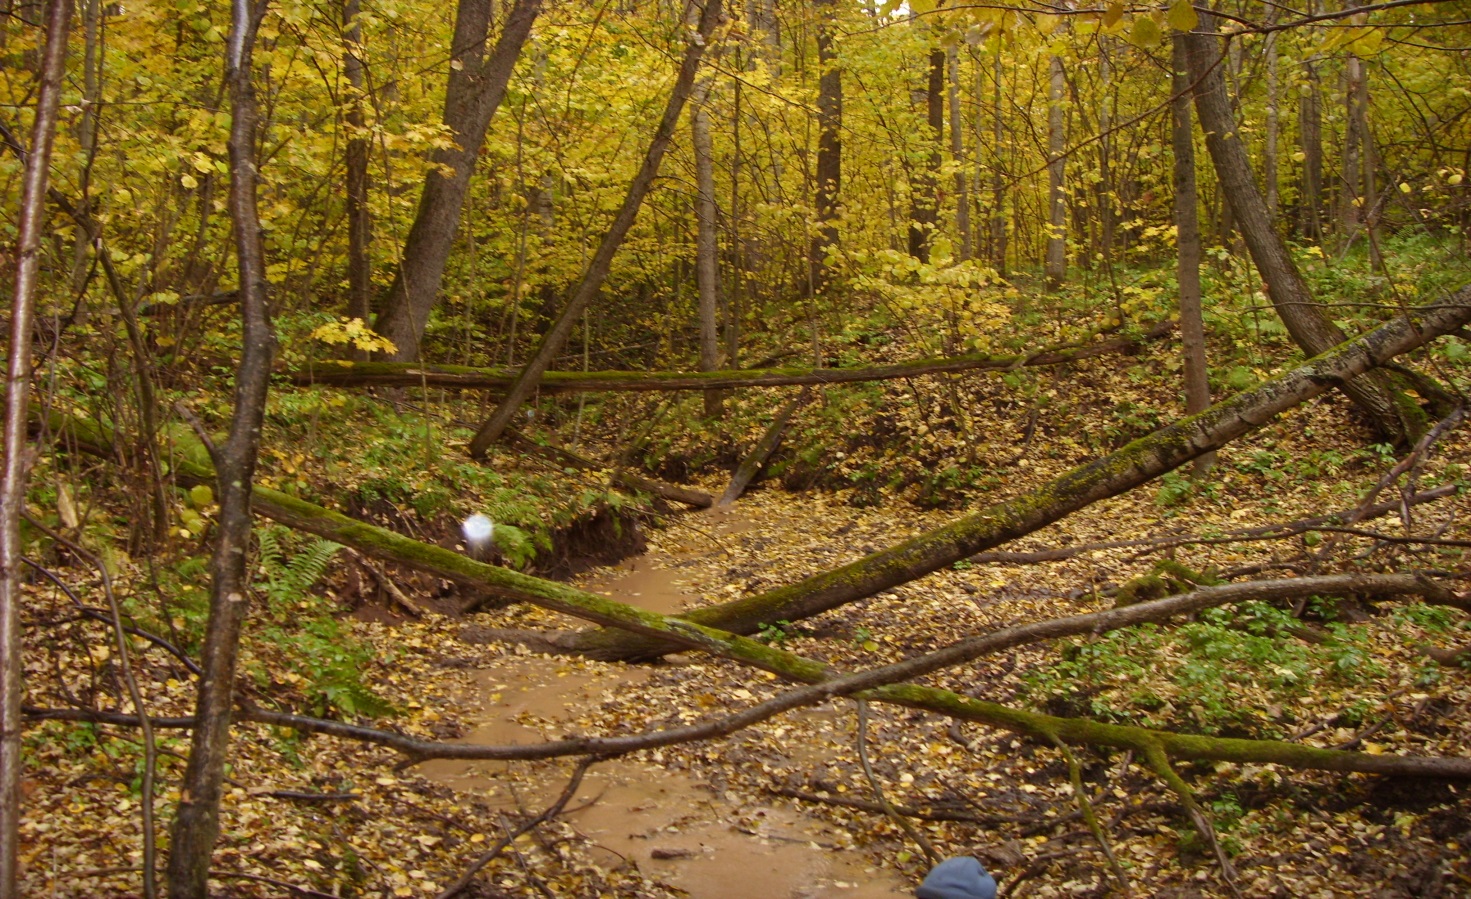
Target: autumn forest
point(581, 448)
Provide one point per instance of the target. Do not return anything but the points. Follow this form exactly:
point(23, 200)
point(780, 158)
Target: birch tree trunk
point(16, 468)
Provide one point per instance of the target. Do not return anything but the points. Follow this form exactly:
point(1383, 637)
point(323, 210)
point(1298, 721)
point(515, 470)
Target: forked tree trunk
point(197, 823)
point(1394, 415)
point(476, 86)
point(13, 476)
point(602, 261)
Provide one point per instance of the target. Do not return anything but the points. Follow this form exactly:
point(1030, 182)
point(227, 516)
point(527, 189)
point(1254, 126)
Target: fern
point(286, 582)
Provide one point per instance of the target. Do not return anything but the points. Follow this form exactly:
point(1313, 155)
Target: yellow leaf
point(189, 181)
point(1182, 16)
point(1113, 14)
point(1145, 33)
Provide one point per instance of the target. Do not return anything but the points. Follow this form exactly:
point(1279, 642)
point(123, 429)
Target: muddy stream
point(675, 828)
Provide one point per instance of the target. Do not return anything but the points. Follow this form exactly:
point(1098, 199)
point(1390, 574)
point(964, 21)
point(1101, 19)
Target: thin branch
point(547, 814)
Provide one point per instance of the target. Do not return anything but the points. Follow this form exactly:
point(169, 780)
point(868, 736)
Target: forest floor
point(785, 808)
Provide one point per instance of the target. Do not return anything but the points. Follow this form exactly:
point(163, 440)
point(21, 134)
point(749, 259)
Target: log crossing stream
point(677, 828)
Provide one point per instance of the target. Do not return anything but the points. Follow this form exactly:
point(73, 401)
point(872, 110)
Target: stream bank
point(701, 839)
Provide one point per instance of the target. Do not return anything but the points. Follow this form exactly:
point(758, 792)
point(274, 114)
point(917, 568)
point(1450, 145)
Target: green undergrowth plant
point(298, 645)
point(1231, 671)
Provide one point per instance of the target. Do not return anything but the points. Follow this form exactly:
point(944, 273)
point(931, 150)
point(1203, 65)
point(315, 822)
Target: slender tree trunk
point(1187, 244)
point(476, 86)
point(998, 171)
point(1055, 266)
point(1350, 176)
point(707, 246)
point(359, 225)
point(957, 152)
point(1270, 163)
point(924, 200)
point(602, 261)
point(829, 144)
point(1394, 415)
point(197, 824)
point(13, 476)
point(1310, 128)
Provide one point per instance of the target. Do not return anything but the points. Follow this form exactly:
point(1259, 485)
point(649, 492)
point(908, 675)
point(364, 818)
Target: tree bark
point(597, 269)
point(1055, 264)
point(924, 192)
point(829, 146)
point(1395, 416)
point(1310, 135)
point(1187, 244)
point(359, 225)
point(1135, 464)
point(957, 153)
point(197, 824)
point(707, 244)
point(751, 465)
point(476, 86)
point(16, 466)
point(398, 374)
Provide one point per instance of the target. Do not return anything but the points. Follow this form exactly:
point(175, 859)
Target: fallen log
point(888, 684)
point(879, 684)
point(1137, 463)
point(695, 498)
point(750, 466)
point(464, 377)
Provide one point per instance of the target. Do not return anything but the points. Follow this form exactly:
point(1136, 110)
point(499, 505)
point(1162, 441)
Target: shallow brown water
point(673, 827)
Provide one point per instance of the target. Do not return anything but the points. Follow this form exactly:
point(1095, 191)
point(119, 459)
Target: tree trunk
point(31, 227)
point(476, 86)
point(1269, 151)
point(398, 374)
point(602, 261)
point(957, 153)
point(1187, 244)
point(998, 172)
point(707, 246)
point(1310, 128)
point(1137, 463)
point(1395, 416)
point(924, 200)
point(829, 145)
point(359, 225)
point(1055, 266)
point(197, 824)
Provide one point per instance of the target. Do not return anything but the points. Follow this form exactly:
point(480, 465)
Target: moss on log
point(1137, 463)
point(394, 374)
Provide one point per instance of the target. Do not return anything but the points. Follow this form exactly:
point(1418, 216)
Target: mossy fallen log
point(751, 465)
point(1137, 463)
point(876, 684)
point(464, 377)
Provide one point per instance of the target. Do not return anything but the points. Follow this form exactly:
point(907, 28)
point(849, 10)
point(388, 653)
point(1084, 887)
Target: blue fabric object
point(958, 878)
